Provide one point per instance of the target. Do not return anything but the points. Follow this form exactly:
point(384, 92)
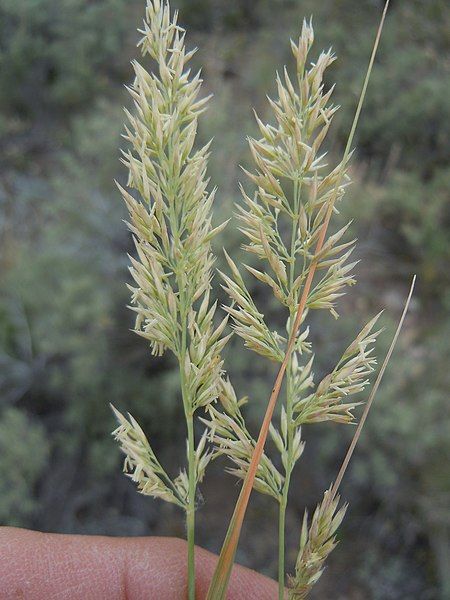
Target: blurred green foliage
point(58, 55)
point(23, 458)
point(65, 346)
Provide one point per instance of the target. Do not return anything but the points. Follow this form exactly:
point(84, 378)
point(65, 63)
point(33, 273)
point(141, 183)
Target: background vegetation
point(65, 346)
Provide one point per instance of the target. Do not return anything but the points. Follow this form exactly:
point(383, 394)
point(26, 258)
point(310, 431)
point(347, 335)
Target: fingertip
point(41, 566)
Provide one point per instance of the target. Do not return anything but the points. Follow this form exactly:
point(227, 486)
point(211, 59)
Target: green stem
point(287, 480)
point(281, 538)
point(190, 513)
point(189, 414)
point(281, 546)
point(289, 410)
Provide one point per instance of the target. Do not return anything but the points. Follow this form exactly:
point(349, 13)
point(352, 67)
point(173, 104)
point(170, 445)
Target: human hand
point(42, 566)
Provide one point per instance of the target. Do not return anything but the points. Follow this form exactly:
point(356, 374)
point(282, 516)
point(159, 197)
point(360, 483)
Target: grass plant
point(285, 219)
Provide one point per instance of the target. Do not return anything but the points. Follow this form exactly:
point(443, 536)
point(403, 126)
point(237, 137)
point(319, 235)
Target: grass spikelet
point(317, 541)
